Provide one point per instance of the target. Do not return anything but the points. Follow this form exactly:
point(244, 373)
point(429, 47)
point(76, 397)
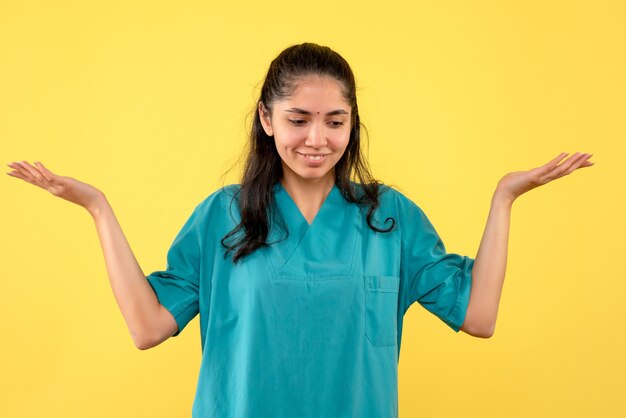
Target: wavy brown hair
point(263, 168)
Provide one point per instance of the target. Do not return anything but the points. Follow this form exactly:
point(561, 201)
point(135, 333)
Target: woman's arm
point(490, 262)
point(148, 321)
point(489, 269)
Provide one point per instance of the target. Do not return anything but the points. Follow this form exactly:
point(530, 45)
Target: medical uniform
point(309, 326)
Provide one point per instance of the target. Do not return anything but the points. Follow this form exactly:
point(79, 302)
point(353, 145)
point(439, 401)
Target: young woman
point(302, 273)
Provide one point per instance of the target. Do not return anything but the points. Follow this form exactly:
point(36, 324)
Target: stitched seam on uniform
point(312, 277)
point(356, 242)
point(403, 256)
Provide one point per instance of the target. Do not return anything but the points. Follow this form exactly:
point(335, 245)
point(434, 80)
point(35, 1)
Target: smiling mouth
point(313, 157)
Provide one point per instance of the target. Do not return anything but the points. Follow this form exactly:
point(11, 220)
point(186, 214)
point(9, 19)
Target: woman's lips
point(313, 159)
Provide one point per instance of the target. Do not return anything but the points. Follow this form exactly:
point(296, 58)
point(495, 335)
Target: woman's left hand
point(514, 184)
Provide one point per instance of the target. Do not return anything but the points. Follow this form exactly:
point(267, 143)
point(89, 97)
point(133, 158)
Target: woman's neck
point(308, 195)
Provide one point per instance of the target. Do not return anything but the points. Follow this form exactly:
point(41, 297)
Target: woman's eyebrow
point(306, 112)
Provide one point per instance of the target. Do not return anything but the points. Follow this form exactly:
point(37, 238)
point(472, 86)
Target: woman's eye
point(300, 122)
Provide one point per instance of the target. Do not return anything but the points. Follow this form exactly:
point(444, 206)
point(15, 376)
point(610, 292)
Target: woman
point(303, 272)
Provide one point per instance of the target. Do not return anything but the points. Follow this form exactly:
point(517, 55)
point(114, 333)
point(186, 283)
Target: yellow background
point(148, 102)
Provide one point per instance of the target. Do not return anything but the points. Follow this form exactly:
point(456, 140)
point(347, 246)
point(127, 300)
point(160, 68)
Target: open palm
point(67, 188)
point(517, 183)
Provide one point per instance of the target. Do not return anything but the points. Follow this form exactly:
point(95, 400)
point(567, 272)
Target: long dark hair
point(263, 168)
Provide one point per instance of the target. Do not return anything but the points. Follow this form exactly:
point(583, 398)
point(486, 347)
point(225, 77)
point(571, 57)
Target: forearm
point(489, 269)
point(135, 297)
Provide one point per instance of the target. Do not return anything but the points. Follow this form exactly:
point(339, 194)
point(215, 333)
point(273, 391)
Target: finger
point(552, 171)
point(549, 166)
point(568, 162)
point(558, 158)
point(45, 172)
point(34, 172)
point(588, 163)
point(22, 170)
point(570, 165)
point(575, 166)
point(582, 163)
point(22, 176)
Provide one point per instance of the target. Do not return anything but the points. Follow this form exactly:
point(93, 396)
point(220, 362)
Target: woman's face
point(311, 128)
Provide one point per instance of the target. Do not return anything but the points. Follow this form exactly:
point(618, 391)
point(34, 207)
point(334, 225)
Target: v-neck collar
point(325, 247)
point(293, 215)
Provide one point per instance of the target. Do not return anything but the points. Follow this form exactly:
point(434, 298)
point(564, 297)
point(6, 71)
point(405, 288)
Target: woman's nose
point(316, 137)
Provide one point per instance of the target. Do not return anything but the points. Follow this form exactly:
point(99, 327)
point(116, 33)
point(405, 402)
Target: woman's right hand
point(148, 321)
point(67, 188)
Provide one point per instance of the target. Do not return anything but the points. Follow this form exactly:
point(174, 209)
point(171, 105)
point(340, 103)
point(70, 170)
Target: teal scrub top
point(311, 325)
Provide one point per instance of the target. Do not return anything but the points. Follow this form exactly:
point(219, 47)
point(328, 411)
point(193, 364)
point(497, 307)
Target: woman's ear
point(266, 122)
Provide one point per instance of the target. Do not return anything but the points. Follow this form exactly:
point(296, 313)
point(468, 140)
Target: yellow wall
point(148, 101)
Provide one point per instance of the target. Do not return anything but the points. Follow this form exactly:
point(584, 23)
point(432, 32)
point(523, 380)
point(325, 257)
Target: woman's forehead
point(316, 81)
point(316, 95)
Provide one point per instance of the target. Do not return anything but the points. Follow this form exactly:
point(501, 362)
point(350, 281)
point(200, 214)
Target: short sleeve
point(441, 282)
point(177, 287)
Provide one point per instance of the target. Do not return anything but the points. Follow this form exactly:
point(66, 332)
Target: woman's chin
point(309, 174)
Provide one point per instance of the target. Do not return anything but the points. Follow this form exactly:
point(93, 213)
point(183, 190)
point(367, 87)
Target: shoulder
point(392, 199)
point(219, 197)
point(218, 203)
point(215, 214)
point(407, 214)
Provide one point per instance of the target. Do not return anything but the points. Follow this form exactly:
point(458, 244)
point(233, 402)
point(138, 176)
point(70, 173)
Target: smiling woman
point(302, 273)
point(309, 146)
point(306, 135)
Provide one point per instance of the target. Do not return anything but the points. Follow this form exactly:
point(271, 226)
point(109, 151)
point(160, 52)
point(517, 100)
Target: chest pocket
point(381, 308)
